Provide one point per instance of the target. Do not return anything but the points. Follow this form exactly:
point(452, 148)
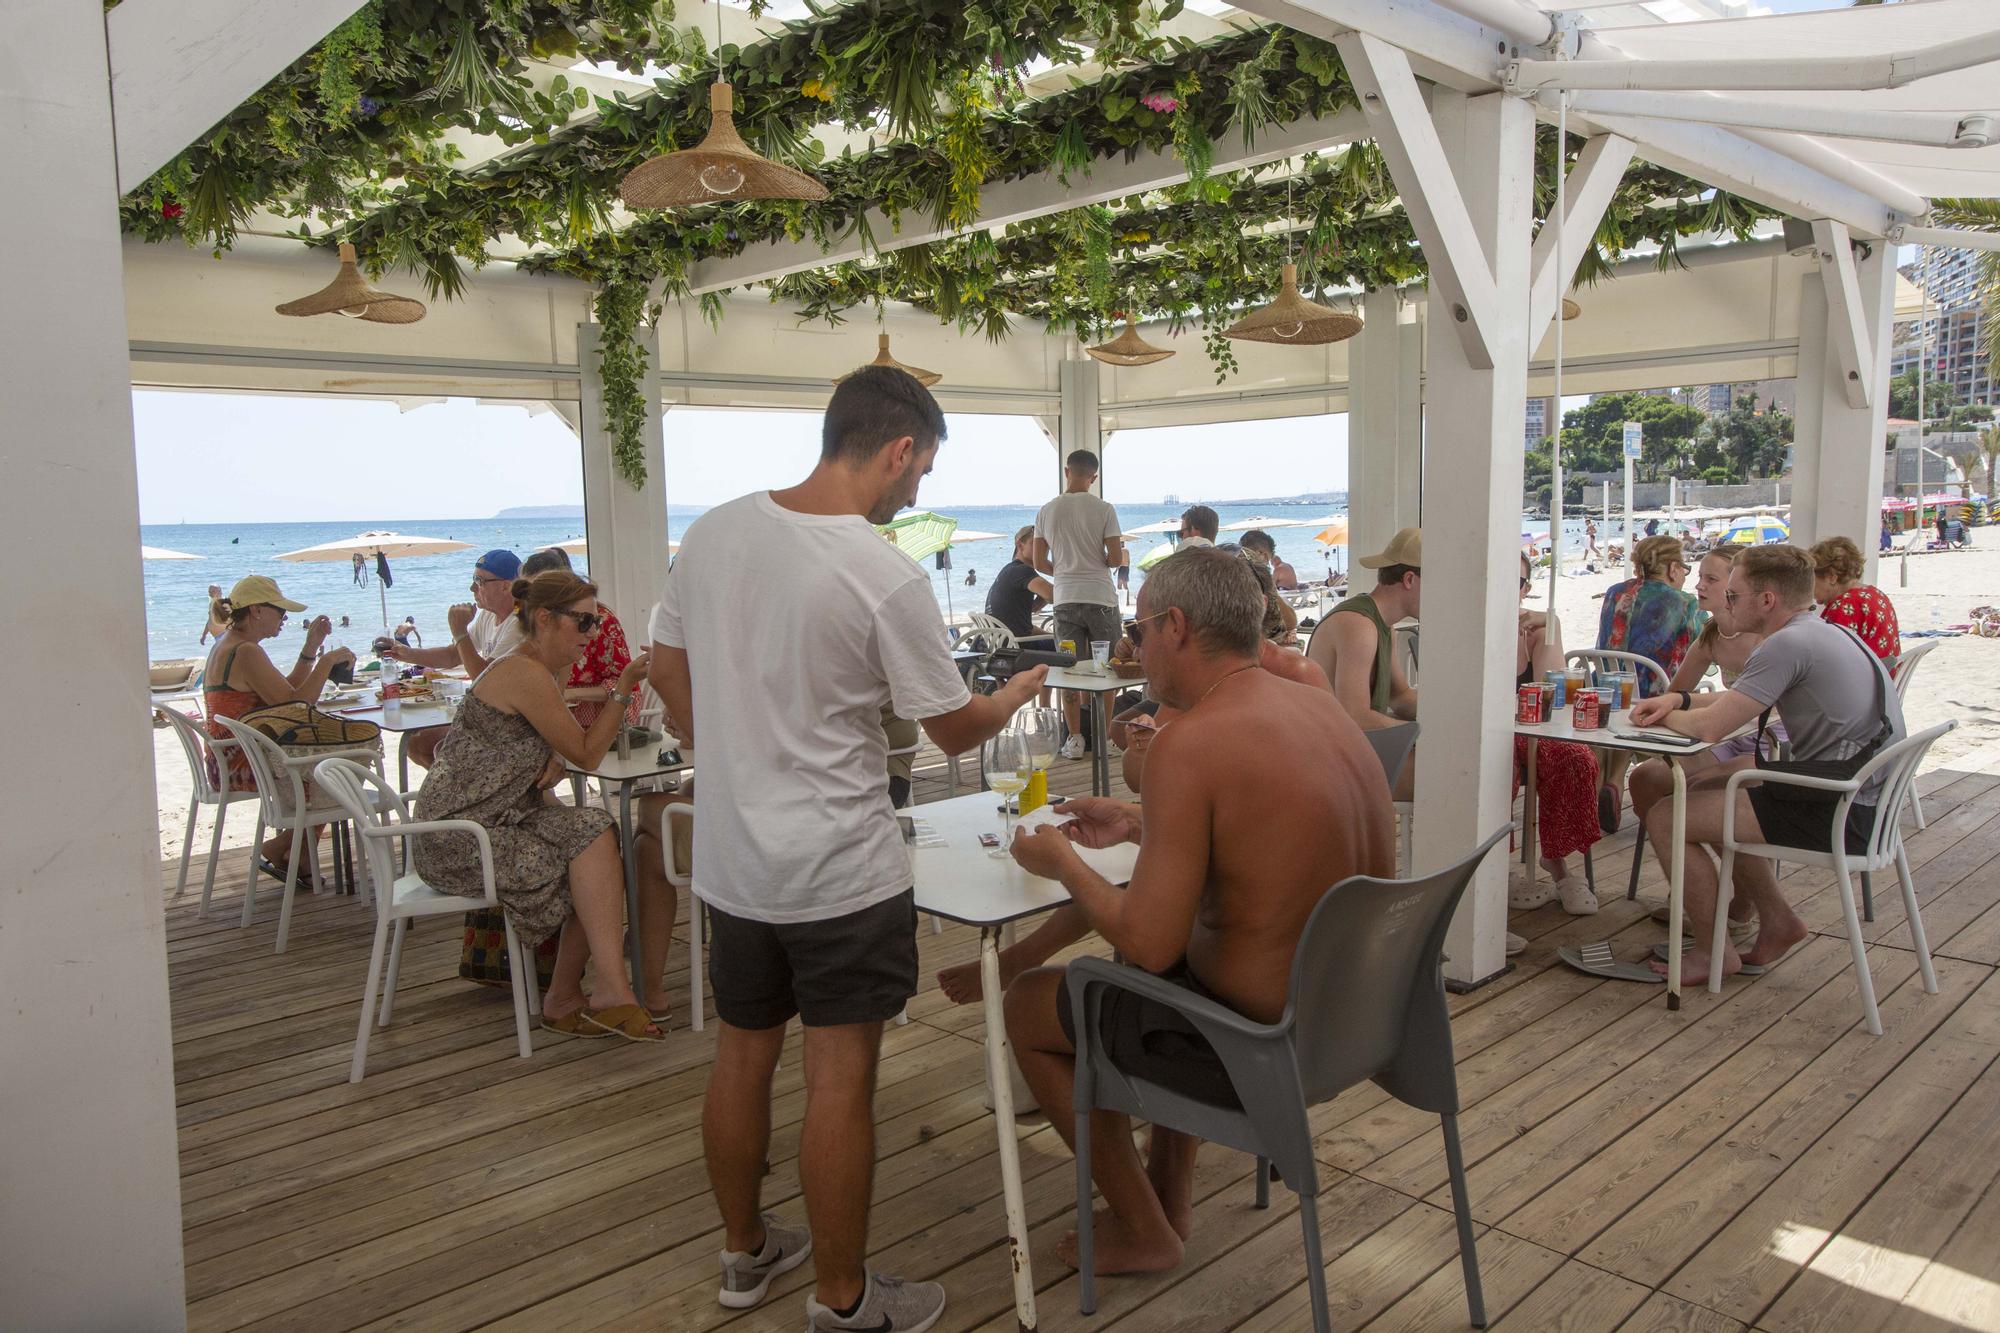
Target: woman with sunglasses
point(594, 678)
point(556, 867)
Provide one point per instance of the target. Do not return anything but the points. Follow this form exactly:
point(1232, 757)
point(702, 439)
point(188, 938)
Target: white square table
point(409, 718)
point(1618, 733)
point(1101, 686)
point(960, 882)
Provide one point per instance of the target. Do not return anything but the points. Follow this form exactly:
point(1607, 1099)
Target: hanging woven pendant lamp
point(1129, 349)
point(349, 294)
point(882, 358)
point(1293, 319)
point(1571, 309)
point(719, 168)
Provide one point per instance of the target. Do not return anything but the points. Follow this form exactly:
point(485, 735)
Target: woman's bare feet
point(1775, 939)
point(1118, 1250)
point(962, 984)
point(1695, 966)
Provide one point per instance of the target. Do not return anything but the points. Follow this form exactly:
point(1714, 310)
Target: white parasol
point(162, 553)
point(370, 544)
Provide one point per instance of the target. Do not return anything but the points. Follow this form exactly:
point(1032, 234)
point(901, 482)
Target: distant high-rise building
point(1947, 343)
point(1540, 424)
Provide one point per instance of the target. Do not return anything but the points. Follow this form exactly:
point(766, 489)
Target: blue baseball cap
point(500, 563)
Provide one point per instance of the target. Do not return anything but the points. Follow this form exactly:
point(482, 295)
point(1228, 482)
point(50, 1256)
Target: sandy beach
point(1959, 679)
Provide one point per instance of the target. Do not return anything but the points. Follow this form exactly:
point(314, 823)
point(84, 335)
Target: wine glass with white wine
point(1007, 763)
point(1043, 728)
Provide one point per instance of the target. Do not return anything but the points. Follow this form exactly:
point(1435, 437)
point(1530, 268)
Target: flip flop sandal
point(629, 1021)
point(1741, 933)
point(573, 1024)
point(1747, 970)
point(1597, 960)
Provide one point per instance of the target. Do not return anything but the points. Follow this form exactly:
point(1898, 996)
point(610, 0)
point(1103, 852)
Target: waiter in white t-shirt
point(1077, 544)
point(786, 626)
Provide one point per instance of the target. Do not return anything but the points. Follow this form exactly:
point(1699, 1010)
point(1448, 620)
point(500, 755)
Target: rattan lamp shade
point(882, 358)
point(1571, 309)
point(1129, 349)
point(721, 167)
point(1293, 319)
point(349, 294)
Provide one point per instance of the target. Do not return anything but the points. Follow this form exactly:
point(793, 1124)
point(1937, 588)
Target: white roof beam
point(1946, 237)
point(1802, 73)
point(178, 68)
point(1028, 198)
point(1459, 267)
point(1941, 129)
point(1587, 194)
point(1847, 318)
point(1442, 46)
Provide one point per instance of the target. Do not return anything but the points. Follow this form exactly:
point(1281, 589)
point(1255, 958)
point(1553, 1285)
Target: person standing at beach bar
point(1077, 544)
point(796, 848)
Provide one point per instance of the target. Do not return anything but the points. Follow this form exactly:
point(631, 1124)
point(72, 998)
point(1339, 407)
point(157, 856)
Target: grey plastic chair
point(1366, 1001)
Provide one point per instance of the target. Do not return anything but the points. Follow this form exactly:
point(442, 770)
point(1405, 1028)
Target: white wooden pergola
point(1847, 120)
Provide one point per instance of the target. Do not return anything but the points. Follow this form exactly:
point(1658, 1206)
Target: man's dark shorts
point(858, 968)
point(1147, 1039)
point(1084, 622)
point(1808, 825)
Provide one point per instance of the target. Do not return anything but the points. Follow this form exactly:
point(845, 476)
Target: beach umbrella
point(1164, 525)
point(162, 553)
point(920, 534)
point(1245, 524)
point(377, 544)
point(581, 546)
point(1333, 534)
point(1759, 532)
point(961, 537)
point(1156, 555)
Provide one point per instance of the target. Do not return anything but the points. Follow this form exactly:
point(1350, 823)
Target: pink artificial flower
point(1160, 102)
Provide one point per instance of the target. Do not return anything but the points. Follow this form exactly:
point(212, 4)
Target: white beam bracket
point(1847, 320)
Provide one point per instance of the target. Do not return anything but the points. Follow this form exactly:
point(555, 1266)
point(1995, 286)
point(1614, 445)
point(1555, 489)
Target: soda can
point(1587, 711)
point(1528, 704)
point(1558, 682)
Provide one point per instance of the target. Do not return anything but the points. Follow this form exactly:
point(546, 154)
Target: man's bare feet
point(1118, 1250)
point(1775, 939)
point(1694, 966)
point(1170, 1171)
point(961, 984)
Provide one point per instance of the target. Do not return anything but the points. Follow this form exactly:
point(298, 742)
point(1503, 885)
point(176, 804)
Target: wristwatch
point(1687, 700)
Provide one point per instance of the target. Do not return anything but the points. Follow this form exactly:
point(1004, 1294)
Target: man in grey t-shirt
point(1836, 702)
point(1077, 544)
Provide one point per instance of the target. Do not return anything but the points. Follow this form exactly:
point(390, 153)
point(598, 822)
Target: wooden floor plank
point(1960, 1288)
point(1576, 1298)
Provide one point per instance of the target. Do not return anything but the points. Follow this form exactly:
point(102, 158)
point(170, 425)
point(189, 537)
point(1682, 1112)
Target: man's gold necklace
point(1218, 681)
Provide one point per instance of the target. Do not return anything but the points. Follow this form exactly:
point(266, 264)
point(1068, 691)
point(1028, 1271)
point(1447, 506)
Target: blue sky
point(212, 458)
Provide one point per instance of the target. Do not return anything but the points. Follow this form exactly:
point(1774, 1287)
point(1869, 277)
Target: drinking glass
point(1043, 728)
point(1008, 766)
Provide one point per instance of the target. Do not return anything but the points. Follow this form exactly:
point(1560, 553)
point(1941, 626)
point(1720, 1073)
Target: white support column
point(1384, 423)
point(1849, 485)
point(1808, 420)
point(1472, 501)
point(90, 1215)
point(627, 528)
point(1082, 427)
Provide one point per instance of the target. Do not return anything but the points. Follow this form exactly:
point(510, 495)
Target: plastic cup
point(1574, 678)
point(1100, 653)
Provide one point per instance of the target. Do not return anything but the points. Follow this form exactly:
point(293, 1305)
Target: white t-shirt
point(1076, 524)
point(798, 629)
point(492, 637)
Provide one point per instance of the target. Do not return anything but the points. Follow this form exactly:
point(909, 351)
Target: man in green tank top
point(1353, 645)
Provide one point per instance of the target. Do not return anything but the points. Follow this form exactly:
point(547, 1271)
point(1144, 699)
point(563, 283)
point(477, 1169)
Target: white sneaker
point(1577, 897)
point(746, 1277)
point(1073, 747)
point(888, 1305)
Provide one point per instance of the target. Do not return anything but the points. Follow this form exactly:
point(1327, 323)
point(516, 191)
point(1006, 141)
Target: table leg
point(1024, 1096)
point(1100, 755)
point(1676, 868)
point(1000, 1085)
point(403, 761)
point(631, 845)
point(1531, 816)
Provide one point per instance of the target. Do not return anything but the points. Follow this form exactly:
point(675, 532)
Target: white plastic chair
point(1614, 659)
point(197, 744)
point(1897, 765)
point(401, 894)
point(683, 881)
point(281, 804)
point(1906, 667)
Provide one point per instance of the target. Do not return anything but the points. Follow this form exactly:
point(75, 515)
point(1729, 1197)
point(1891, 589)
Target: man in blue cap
point(482, 631)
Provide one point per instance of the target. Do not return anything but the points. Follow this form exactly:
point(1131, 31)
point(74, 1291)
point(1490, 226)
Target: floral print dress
point(1869, 613)
point(1653, 619)
point(604, 659)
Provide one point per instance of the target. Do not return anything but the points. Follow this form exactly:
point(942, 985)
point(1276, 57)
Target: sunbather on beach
point(1216, 903)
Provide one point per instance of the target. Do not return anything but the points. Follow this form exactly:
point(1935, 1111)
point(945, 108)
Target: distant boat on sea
point(1170, 499)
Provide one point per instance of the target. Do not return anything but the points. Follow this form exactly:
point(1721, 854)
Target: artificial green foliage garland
point(621, 368)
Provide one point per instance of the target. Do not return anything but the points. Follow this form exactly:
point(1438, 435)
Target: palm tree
point(1980, 215)
point(1989, 445)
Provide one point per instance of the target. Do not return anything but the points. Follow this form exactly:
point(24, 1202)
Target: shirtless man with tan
point(1217, 899)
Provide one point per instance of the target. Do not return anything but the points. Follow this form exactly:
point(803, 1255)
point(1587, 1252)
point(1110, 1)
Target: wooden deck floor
point(1756, 1159)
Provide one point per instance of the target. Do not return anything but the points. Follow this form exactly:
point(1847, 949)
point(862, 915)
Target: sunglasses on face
point(478, 583)
point(1135, 633)
point(585, 621)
